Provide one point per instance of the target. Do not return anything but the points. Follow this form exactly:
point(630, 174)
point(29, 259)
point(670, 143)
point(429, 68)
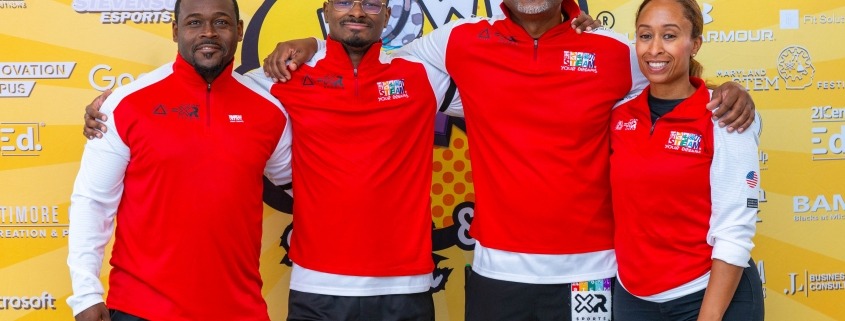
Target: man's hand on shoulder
point(584, 23)
point(298, 51)
point(93, 117)
point(732, 106)
point(97, 312)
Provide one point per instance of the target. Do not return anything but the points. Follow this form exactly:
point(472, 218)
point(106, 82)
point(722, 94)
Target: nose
point(208, 30)
point(655, 47)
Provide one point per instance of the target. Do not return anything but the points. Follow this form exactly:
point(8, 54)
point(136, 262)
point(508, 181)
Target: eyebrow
point(664, 25)
point(216, 14)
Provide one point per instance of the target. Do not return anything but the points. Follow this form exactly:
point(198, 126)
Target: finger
point(288, 55)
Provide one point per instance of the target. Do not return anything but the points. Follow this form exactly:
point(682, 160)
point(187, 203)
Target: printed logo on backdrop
point(20, 139)
point(102, 78)
point(791, 19)
point(43, 301)
point(818, 208)
point(123, 11)
point(815, 282)
point(32, 222)
point(12, 4)
point(795, 71)
point(710, 13)
point(32, 71)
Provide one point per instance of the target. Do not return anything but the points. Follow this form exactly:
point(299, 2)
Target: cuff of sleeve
point(82, 302)
point(731, 253)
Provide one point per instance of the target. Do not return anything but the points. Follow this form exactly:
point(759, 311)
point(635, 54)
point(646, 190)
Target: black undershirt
point(660, 107)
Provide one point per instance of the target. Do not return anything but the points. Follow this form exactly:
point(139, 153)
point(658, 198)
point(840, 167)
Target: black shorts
point(496, 300)
point(116, 315)
point(396, 307)
point(746, 305)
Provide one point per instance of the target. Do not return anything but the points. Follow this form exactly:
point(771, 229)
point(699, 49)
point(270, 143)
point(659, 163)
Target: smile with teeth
point(657, 64)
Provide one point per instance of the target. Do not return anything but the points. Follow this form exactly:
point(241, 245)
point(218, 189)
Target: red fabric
point(188, 233)
point(538, 137)
point(362, 165)
point(661, 196)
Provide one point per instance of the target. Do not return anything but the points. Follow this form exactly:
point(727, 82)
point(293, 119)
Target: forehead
point(206, 7)
point(664, 10)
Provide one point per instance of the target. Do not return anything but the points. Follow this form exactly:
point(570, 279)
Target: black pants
point(121, 316)
point(746, 305)
point(397, 307)
point(496, 300)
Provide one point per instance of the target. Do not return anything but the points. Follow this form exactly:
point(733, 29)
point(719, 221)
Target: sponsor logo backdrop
point(59, 54)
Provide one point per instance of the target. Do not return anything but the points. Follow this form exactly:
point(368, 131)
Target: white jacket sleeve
point(735, 189)
point(430, 50)
point(96, 195)
point(278, 168)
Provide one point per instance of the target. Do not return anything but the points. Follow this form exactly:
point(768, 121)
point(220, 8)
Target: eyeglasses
point(369, 6)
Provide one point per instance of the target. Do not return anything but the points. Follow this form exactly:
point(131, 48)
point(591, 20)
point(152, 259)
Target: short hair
point(179, 2)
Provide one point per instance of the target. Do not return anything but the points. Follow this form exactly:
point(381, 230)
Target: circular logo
point(795, 67)
point(606, 19)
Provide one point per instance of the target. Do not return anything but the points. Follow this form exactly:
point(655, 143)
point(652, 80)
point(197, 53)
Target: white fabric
point(310, 281)
point(543, 268)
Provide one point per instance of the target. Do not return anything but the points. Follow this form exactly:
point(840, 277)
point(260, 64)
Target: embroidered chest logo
point(579, 61)
point(186, 111)
point(236, 118)
point(628, 125)
point(329, 81)
point(685, 142)
point(391, 89)
point(508, 40)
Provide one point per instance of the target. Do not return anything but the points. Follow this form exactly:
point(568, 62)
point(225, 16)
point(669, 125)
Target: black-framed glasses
point(368, 6)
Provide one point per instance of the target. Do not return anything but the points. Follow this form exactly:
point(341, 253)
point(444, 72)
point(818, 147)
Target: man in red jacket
point(537, 98)
point(181, 173)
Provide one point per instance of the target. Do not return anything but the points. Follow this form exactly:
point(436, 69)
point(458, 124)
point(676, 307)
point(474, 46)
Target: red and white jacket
point(362, 150)
point(685, 191)
point(537, 112)
point(180, 169)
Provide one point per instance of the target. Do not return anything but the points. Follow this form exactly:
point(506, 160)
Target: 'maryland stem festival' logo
point(123, 11)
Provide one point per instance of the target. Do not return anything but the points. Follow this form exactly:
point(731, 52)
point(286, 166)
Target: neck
point(356, 53)
point(680, 90)
point(537, 24)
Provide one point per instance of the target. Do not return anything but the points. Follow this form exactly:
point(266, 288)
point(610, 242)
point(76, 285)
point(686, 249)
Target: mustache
point(207, 42)
point(356, 20)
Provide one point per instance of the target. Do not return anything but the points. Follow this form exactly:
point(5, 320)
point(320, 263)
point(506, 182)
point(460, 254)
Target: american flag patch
point(751, 179)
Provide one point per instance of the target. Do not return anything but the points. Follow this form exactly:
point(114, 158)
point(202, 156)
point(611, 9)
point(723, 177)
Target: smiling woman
point(708, 218)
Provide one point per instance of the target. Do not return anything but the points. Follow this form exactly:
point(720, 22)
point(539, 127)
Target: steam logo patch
point(579, 61)
point(391, 89)
point(686, 142)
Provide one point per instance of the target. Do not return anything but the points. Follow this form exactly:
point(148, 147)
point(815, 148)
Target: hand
point(97, 312)
point(297, 51)
point(732, 106)
point(584, 22)
point(94, 118)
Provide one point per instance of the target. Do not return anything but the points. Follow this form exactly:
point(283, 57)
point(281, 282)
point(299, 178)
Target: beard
point(355, 41)
point(533, 8)
point(210, 72)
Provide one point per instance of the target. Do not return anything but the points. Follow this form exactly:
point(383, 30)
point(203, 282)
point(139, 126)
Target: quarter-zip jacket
point(180, 170)
point(363, 150)
point(684, 192)
point(537, 113)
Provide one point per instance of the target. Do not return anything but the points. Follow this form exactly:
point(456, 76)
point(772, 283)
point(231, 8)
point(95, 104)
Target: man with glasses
point(362, 162)
point(362, 158)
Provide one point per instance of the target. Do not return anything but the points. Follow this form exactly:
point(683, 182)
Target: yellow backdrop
point(56, 55)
